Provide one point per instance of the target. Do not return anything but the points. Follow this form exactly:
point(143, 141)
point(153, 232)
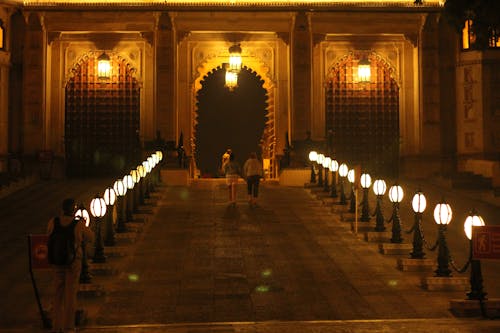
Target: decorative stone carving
point(148, 36)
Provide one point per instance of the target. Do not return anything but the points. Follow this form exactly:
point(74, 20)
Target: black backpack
point(61, 244)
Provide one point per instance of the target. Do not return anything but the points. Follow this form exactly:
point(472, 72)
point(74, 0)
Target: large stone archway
point(258, 56)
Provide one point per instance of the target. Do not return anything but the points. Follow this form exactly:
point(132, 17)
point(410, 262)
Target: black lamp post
point(379, 188)
point(145, 179)
point(129, 183)
point(120, 190)
point(151, 183)
point(142, 175)
point(98, 210)
point(351, 177)
point(159, 158)
point(85, 276)
point(442, 216)
point(342, 173)
point(136, 179)
point(418, 204)
point(320, 160)
point(396, 196)
point(326, 167)
point(476, 277)
point(313, 157)
point(366, 182)
point(109, 231)
point(334, 167)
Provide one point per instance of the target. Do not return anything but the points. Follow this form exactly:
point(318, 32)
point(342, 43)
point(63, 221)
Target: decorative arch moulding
point(84, 57)
point(232, 3)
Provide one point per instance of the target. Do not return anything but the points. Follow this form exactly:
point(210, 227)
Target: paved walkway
point(199, 265)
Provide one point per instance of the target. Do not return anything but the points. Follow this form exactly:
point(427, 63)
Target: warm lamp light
point(235, 58)
point(343, 170)
point(104, 66)
point(419, 203)
point(351, 174)
point(473, 220)
point(120, 187)
point(98, 207)
point(364, 71)
point(442, 213)
point(313, 156)
point(379, 187)
point(396, 194)
point(334, 166)
point(109, 196)
point(366, 180)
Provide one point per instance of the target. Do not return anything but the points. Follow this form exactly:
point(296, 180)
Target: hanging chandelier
point(235, 57)
point(103, 67)
point(364, 70)
point(231, 79)
point(234, 67)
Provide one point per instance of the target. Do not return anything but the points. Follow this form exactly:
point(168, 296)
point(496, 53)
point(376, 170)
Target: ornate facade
point(443, 102)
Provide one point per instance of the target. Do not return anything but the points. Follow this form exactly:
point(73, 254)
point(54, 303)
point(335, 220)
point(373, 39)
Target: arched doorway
point(229, 119)
point(362, 118)
point(101, 118)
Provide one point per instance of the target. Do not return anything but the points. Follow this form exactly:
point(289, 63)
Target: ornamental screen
point(362, 118)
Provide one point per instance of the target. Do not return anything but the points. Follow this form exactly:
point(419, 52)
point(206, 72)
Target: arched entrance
point(101, 118)
point(362, 118)
point(229, 119)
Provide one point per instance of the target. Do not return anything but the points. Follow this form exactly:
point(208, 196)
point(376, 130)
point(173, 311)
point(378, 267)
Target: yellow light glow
point(231, 79)
point(275, 3)
point(364, 71)
point(104, 66)
point(1, 37)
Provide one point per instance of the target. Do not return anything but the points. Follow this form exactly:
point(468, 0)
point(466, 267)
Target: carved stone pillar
point(5, 13)
point(33, 87)
point(165, 79)
point(301, 76)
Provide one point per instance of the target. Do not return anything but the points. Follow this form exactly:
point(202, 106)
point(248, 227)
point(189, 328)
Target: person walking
point(232, 171)
point(225, 159)
point(66, 277)
point(253, 171)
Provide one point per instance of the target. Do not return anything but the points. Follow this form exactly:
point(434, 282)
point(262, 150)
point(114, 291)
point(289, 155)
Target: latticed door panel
point(362, 118)
point(101, 119)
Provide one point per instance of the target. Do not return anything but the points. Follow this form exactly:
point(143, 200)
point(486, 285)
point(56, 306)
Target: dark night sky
point(229, 119)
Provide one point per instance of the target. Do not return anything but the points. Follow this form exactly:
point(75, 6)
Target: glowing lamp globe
point(379, 187)
point(109, 196)
point(334, 166)
point(473, 220)
point(396, 194)
point(141, 170)
point(326, 162)
point(442, 213)
point(321, 158)
point(366, 180)
point(120, 188)
point(129, 181)
point(135, 176)
point(343, 170)
point(83, 214)
point(351, 174)
point(419, 203)
point(313, 156)
point(159, 154)
point(98, 207)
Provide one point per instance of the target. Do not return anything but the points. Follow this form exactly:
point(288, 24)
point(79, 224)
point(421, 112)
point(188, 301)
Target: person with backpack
point(67, 234)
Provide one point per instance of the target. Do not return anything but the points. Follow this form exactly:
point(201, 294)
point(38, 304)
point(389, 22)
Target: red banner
point(38, 251)
point(486, 242)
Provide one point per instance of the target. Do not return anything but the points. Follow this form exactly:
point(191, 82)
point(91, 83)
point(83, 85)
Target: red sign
point(486, 242)
point(38, 251)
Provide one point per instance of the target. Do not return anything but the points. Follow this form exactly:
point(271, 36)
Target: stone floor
point(196, 264)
